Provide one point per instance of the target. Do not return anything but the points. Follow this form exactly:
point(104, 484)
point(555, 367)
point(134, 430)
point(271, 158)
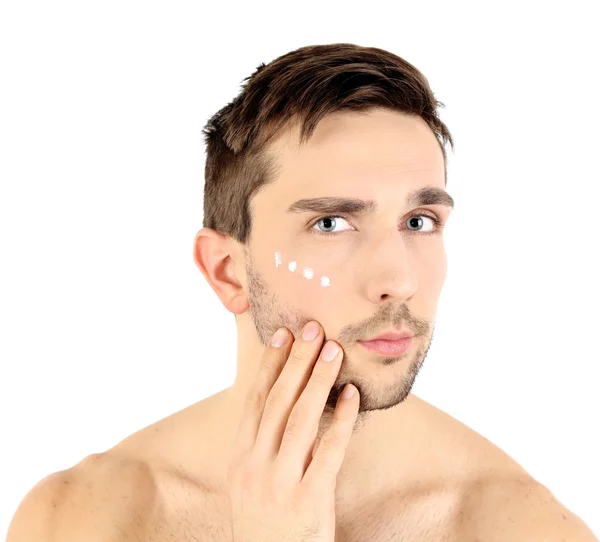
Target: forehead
point(359, 148)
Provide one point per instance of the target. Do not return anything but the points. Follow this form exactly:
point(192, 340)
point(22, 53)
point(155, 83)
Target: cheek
point(433, 271)
point(305, 271)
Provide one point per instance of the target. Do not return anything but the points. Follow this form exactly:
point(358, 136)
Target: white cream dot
point(325, 281)
point(292, 266)
point(308, 273)
point(278, 259)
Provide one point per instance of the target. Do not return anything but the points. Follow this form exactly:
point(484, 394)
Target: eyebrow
point(429, 195)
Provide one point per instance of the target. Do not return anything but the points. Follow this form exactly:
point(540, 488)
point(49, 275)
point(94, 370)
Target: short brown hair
point(304, 85)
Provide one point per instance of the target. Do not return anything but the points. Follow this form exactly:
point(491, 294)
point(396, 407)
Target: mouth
point(388, 348)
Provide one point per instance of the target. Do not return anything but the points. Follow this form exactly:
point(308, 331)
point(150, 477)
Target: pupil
point(417, 218)
point(327, 221)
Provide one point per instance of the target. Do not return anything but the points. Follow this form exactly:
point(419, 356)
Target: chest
point(411, 518)
point(417, 516)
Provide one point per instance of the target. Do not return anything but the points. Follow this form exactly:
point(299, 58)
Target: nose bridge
point(389, 270)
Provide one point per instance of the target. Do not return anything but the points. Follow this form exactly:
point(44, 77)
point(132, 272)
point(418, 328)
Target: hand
point(281, 488)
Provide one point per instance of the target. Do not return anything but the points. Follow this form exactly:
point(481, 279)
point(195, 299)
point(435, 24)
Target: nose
point(391, 273)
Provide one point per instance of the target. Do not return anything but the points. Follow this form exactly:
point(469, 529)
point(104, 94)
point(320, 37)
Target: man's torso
point(440, 504)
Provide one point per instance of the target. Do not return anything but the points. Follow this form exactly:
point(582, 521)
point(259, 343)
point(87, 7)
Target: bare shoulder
point(104, 497)
point(519, 508)
point(499, 499)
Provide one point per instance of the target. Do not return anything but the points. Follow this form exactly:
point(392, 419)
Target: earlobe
point(238, 304)
point(212, 255)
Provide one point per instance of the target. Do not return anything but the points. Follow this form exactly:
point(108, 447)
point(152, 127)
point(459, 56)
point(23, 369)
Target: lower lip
point(388, 348)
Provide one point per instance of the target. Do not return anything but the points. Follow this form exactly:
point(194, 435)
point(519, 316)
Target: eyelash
point(437, 229)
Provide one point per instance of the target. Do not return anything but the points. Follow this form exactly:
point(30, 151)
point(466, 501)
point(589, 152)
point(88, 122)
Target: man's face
point(357, 274)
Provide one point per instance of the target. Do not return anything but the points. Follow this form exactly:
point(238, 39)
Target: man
point(324, 203)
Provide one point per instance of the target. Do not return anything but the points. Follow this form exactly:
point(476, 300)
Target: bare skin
point(410, 471)
point(450, 485)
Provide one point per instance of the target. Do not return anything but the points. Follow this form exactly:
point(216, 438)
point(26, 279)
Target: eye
point(329, 222)
point(414, 220)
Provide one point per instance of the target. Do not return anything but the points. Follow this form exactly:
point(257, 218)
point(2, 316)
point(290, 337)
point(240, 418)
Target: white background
point(107, 325)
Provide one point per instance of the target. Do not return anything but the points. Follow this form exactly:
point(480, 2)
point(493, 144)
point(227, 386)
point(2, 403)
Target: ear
point(216, 255)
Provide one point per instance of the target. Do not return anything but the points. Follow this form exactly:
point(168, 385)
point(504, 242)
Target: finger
point(315, 447)
point(331, 451)
point(309, 458)
point(285, 393)
point(273, 360)
point(300, 432)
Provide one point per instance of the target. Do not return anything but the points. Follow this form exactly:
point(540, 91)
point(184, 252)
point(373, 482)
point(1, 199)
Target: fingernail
point(279, 338)
point(311, 330)
point(348, 391)
point(330, 351)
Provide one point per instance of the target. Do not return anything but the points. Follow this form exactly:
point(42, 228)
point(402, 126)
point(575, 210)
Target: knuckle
point(276, 400)
point(297, 356)
point(271, 361)
point(321, 378)
point(296, 429)
point(256, 399)
point(333, 439)
point(270, 407)
point(293, 427)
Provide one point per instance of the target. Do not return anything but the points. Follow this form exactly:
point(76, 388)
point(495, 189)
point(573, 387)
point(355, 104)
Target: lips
point(389, 336)
point(388, 348)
